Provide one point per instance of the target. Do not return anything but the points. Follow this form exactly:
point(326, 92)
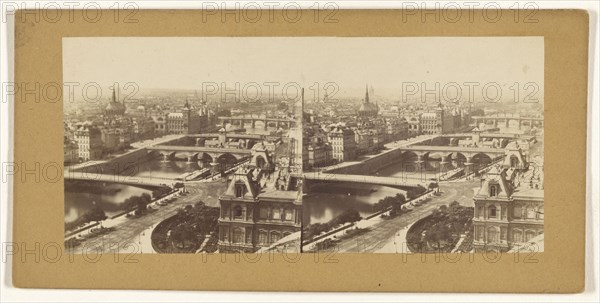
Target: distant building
point(319, 155)
point(89, 142)
point(185, 121)
point(114, 107)
point(431, 123)
point(367, 109)
point(509, 206)
point(71, 151)
point(160, 124)
point(343, 143)
point(414, 125)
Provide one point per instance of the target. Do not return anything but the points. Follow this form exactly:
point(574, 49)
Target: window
point(262, 237)
point(493, 190)
point(530, 234)
point(517, 236)
point(276, 214)
point(226, 234)
point(492, 211)
point(238, 235)
point(237, 212)
point(530, 213)
point(239, 190)
point(289, 215)
point(264, 213)
point(517, 211)
point(492, 235)
point(248, 235)
point(275, 236)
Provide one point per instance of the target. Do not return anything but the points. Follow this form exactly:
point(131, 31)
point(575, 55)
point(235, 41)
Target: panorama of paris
point(393, 177)
point(174, 173)
point(170, 172)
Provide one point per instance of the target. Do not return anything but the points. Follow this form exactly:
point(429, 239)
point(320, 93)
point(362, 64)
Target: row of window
point(240, 236)
point(495, 235)
point(239, 213)
point(519, 212)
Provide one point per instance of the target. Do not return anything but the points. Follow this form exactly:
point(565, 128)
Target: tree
point(141, 206)
point(478, 112)
point(437, 233)
point(95, 214)
point(394, 202)
point(161, 191)
point(349, 216)
point(224, 113)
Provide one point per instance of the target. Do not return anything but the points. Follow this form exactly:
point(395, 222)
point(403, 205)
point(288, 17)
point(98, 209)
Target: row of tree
point(442, 229)
point(395, 202)
point(348, 216)
point(94, 214)
point(185, 231)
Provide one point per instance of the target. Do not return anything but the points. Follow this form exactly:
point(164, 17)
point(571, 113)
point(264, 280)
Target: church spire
point(114, 95)
point(367, 94)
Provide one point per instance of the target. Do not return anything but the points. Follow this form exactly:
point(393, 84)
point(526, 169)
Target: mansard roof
point(495, 176)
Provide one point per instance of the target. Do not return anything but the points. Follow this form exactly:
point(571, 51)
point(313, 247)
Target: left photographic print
point(181, 145)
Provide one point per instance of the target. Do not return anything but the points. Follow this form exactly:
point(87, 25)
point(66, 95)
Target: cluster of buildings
point(95, 136)
point(509, 205)
point(262, 206)
point(339, 133)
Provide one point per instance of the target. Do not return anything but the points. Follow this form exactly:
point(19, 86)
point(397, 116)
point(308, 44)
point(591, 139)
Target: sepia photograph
point(363, 145)
point(433, 145)
point(251, 150)
point(181, 145)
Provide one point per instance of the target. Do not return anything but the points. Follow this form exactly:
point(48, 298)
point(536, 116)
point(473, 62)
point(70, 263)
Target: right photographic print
point(426, 145)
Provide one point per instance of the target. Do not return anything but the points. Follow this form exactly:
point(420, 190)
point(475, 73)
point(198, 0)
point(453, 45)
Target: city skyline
point(383, 63)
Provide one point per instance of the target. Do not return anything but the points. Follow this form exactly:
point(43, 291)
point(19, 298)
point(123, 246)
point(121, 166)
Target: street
point(126, 236)
point(378, 237)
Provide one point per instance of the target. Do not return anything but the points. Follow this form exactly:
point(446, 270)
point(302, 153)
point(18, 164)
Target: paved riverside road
point(378, 236)
point(126, 236)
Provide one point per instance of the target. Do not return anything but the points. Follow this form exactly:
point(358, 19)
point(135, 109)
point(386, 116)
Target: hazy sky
point(384, 63)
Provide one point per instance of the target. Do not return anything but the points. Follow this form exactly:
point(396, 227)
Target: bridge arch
point(459, 158)
point(410, 156)
point(226, 158)
point(480, 160)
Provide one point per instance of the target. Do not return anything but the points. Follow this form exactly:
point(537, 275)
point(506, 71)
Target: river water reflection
point(329, 200)
point(109, 196)
point(326, 201)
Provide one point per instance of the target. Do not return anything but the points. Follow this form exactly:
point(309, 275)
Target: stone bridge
point(311, 179)
point(197, 153)
point(374, 180)
point(112, 178)
point(502, 138)
point(273, 122)
point(496, 119)
point(228, 135)
point(244, 140)
point(452, 154)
